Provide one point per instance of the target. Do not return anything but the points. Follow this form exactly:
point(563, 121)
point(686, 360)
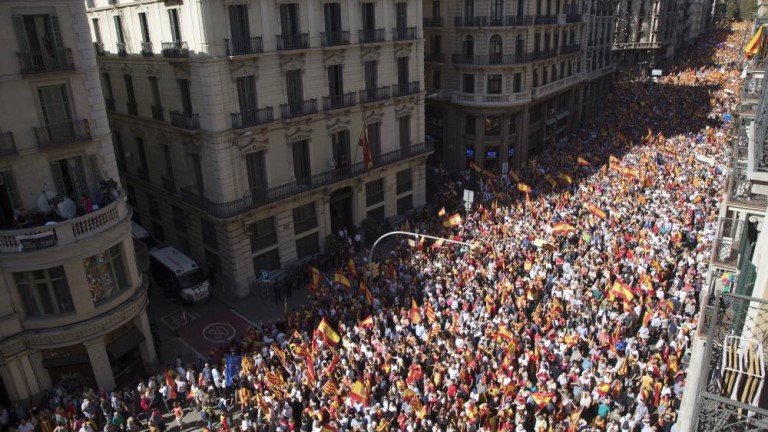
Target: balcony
point(406, 89)
point(190, 122)
point(461, 21)
point(177, 49)
point(510, 99)
point(330, 39)
point(334, 102)
point(110, 104)
point(64, 233)
point(484, 60)
point(547, 89)
point(433, 57)
point(543, 55)
point(7, 144)
point(133, 109)
point(374, 94)
point(404, 33)
point(62, 133)
point(433, 21)
point(146, 49)
point(570, 49)
point(572, 18)
point(636, 45)
point(545, 19)
point(158, 113)
point(372, 36)
point(245, 46)
point(298, 109)
point(169, 184)
point(35, 62)
point(251, 201)
point(292, 41)
point(725, 249)
point(98, 47)
point(519, 20)
point(252, 117)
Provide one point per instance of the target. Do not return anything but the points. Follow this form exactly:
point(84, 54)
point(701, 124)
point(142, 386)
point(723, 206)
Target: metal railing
point(34, 62)
point(122, 50)
point(252, 117)
point(433, 21)
point(334, 102)
point(298, 109)
point(252, 45)
point(251, 201)
point(63, 133)
point(545, 19)
point(505, 99)
point(406, 89)
point(403, 33)
point(572, 18)
point(636, 45)
point(543, 55)
point(177, 49)
point(432, 57)
point(292, 41)
point(146, 49)
point(374, 94)
point(99, 48)
point(182, 120)
point(329, 39)
point(372, 36)
point(158, 113)
point(570, 49)
point(519, 20)
point(739, 185)
point(485, 60)
point(7, 143)
point(725, 248)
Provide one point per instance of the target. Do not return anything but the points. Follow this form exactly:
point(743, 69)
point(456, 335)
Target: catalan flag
point(366, 322)
point(330, 388)
point(415, 312)
point(358, 393)
point(329, 334)
point(565, 177)
point(522, 187)
point(582, 162)
point(563, 228)
point(311, 375)
point(274, 381)
point(430, 312)
point(334, 361)
point(339, 278)
point(595, 210)
point(622, 290)
point(441, 213)
point(280, 355)
point(454, 220)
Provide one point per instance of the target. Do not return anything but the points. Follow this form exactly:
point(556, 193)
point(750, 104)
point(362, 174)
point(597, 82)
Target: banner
point(232, 369)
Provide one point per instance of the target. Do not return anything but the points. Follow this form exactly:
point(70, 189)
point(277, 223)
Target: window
point(239, 28)
point(402, 74)
point(117, 140)
point(208, 233)
point(179, 219)
point(167, 161)
point(494, 84)
point(308, 245)
point(404, 181)
point(374, 192)
point(302, 170)
point(497, 10)
point(246, 96)
point(371, 74)
point(106, 83)
point(57, 115)
point(263, 233)
point(106, 274)
point(492, 126)
point(289, 19)
point(256, 170)
point(154, 205)
point(197, 173)
point(121, 50)
point(44, 292)
point(435, 9)
point(157, 231)
point(468, 47)
point(469, 8)
point(173, 17)
point(186, 96)
point(469, 124)
point(332, 13)
point(369, 16)
point(519, 46)
point(69, 177)
point(495, 50)
point(96, 30)
point(340, 149)
point(335, 82)
point(512, 128)
point(376, 214)
point(404, 126)
point(401, 15)
point(304, 218)
point(142, 152)
point(144, 27)
point(131, 94)
point(130, 191)
point(518, 82)
point(436, 44)
point(294, 86)
point(436, 80)
point(374, 141)
point(269, 260)
point(405, 204)
point(468, 83)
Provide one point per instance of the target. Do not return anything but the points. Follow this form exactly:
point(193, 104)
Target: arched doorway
point(341, 210)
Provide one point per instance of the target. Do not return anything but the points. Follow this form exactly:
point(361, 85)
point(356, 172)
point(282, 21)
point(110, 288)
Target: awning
point(120, 346)
point(61, 361)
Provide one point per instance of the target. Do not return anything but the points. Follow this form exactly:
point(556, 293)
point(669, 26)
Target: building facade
point(506, 79)
point(72, 299)
point(238, 123)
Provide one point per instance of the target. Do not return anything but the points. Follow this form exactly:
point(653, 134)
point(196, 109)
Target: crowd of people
point(570, 308)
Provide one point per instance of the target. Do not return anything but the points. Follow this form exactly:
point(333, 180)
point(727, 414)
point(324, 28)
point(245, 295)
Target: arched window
point(495, 49)
point(469, 47)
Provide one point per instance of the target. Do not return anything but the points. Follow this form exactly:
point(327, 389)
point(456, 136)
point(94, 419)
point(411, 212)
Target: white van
point(178, 275)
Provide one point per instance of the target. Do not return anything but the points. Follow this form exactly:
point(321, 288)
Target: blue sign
point(234, 364)
point(265, 275)
point(728, 117)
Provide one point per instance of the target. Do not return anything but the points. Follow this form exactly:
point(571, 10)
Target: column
point(7, 379)
point(147, 346)
point(102, 370)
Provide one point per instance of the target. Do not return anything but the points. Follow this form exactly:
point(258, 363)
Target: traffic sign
point(265, 275)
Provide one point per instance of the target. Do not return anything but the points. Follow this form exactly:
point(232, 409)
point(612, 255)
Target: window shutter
point(508, 86)
point(56, 32)
point(21, 33)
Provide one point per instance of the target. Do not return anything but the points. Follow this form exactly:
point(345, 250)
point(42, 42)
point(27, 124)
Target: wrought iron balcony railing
point(484, 60)
point(177, 49)
point(245, 46)
point(572, 18)
point(519, 20)
point(298, 109)
point(34, 62)
point(545, 19)
point(433, 57)
point(146, 49)
point(292, 41)
point(334, 102)
point(190, 122)
point(252, 117)
point(99, 48)
point(372, 36)
point(252, 201)
point(725, 248)
point(158, 113)
point(374, 94)
point(403, 33)
point(329, 39)
point(122, 49)
point(7, 144)
point(433, 21)
point(570, 49)
point(543, 55)
point(406, 89)
point(62, 133)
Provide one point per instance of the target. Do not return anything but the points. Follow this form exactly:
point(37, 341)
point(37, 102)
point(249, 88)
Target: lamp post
point(370, 253)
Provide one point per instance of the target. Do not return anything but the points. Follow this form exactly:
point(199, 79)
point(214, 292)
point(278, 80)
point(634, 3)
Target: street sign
point(265, 275)
point(728, 117)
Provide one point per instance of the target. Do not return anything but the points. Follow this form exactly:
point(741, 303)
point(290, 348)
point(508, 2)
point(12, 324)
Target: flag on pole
point(441, 213)
point(430, 312)
point(565, 177)
point(541, 399)
point(329, 334)
point(363, 142)
point(330, 388)
point(415, 312)
point(452, 221)
point(563, 228)
point(317, 278)
point(581, 161)
point(366, 322)
point(172, 384)
point(366, 292)
point(522, 187)
point(438, 244)
point(622, 290)
point(595, 210)
point(334, 361)
point(339, 278)
point(358, 393)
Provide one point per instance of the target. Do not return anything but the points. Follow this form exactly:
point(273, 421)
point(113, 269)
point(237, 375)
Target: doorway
point(341, 210)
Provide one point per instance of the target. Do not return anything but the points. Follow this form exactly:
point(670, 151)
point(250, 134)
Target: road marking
point(179, 318)
point(218, 332)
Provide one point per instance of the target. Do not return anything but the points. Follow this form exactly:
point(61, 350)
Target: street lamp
point(408, 233)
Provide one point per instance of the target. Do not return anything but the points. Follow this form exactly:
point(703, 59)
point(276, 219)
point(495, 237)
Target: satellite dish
point(66, 209)
point(43, 201)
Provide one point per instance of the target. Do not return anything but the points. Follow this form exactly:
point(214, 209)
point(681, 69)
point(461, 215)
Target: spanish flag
point(631, 173)
point(581, 161)
point(452, 221)
point(613, 161)
point(367, 322)
point(339, 278)
point(171, 383)
point(329, 334)
point(317, 278)
point(415, 312)
point(513, 175)
point(358, 393)
point(363, 142)
point(421, 243)
point(565, 177)
point(542, 399)
point(352, 267)
point(311, 375)
point(438, 244)
point(441, 213)
point(754, 44)
point(366, 292)
point(504, 332)
point(595, 210)
point(622, 290)
point(563, 228)
point(551, 180)
point(334, 361)
point(522, 187)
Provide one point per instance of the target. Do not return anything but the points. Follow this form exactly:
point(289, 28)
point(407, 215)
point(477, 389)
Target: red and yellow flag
point(622, 290)
point(565, 177)
point(430, 312)
point(613, 161)
point(329, 334)
point(452, 221)
point(317, 278)
point(438, 244)
point(522, 187)
point(170, 383)
point(563, 228)
point(581, 161)
point(363, 142)
point(352, 267)
point(339, 278)
point(358, 393)
point(330, 388)
point(441, 213)
point(631, 173)
point(415, 314)
point(595, 210)
point(366, 292)
point(542, 399)
point(366, 322)
point(551, 180)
